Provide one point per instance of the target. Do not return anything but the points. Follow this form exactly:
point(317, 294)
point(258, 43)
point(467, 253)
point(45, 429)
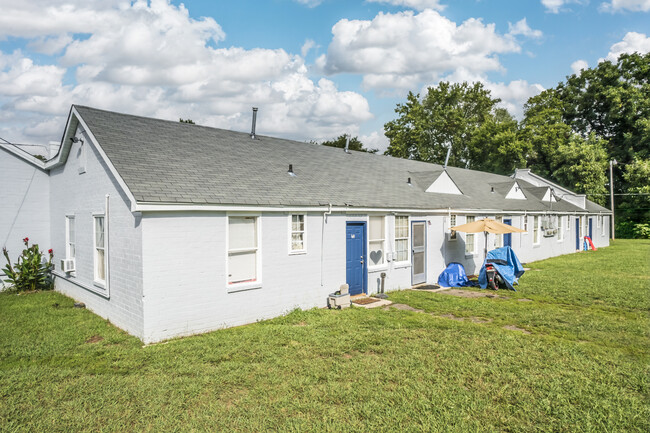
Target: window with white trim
point(100, 249)
point(297, 234)
point(401, 238)
point(70, 237)
point(243, 249)
point(536, 230)
point(498, 239)
point(470, 239)
point(525, 224)
point(377, 240)
point(560, 226)
point(602, 226)
point(568, 222)
point(453, 235)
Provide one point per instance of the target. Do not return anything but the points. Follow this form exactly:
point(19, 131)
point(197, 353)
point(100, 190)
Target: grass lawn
point(583, 367)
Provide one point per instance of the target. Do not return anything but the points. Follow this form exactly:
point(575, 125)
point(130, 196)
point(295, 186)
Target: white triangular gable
point(549, 196)
point(444, 185)
point(516, 193)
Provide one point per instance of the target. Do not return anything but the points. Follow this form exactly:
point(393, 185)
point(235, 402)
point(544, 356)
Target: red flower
point(51, 251)
point(26, 240)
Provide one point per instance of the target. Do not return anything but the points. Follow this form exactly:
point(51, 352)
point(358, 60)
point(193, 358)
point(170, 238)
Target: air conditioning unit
point(549, 233)
point(67, 265)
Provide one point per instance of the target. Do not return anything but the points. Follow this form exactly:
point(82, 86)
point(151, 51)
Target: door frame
point(425, 251)
point(577, 228)
point(503, 240)
point(364, 279)
point(590, 226)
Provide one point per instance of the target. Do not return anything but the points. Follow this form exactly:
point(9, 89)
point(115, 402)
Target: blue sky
point(316, 69)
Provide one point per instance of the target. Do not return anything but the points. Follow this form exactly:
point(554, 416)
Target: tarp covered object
point(507, 265)
point(453, 276)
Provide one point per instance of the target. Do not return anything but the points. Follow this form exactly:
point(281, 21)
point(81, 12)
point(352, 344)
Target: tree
point(354, 144)
point(190, 121)
point(463, 116)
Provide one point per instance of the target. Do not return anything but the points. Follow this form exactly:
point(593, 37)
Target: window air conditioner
point(549, 232)
point(67, 265)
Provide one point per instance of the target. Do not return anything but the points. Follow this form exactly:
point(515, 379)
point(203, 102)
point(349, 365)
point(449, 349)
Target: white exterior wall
point(82, 195)
point(185, 283)
point(24, 205)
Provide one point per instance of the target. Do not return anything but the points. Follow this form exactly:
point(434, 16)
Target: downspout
point(322, 241)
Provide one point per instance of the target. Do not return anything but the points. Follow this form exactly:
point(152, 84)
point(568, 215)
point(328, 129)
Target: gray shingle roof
point(172, 162)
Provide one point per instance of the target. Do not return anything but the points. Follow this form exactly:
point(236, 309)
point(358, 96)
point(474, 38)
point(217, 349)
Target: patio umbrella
point(486, 225)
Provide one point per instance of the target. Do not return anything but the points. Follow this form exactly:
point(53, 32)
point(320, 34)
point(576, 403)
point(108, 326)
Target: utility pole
point(612, 163)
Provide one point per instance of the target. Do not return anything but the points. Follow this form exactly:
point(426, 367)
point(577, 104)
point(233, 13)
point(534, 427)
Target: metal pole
point(611, 191)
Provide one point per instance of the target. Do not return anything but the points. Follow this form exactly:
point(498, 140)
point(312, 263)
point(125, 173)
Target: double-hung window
point(243, 249)
point(401, 238)
point(377, 240)
point(70, 237)
point(560, 228)
point(568, 222)
point(525, 217)
point(602, 226)
point(297, 234)
point(536, 230)
point(453, 235)
point(498, 239)
point(100, 249)
point(470, 239)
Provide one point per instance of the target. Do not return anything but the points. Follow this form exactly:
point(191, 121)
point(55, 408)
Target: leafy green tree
point(448, 115)
point(636, 207)
point(190, 121)
point(355, 144)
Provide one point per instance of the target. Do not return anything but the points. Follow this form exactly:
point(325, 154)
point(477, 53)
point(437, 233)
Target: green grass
point(584, 367)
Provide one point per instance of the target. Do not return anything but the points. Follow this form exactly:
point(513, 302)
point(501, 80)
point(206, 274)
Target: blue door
point(590, 227)
point(355, 262)
point(507, 238)
point(577, 233)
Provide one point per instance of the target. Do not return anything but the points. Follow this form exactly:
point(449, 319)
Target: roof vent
point(347, 143)
point(290, 171)
point(254, 122)
point(408, 182)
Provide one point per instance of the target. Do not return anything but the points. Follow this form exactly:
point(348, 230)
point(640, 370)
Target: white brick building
point(175, 229)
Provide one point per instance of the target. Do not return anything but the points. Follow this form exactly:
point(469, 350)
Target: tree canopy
point(355, 144)
point(568, 133)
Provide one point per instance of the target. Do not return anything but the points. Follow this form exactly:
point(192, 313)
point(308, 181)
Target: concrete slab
point(379, 303)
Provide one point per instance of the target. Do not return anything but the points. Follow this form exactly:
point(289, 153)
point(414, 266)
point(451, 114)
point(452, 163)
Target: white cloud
point(629, 5)
point(375, 140)
point(405, 49)
point(310, 3)
point(521, 28)
point(555, 6)
point(152, 59)
point(418, 5)
point(632, 42)
point(307, 46)
point(579, 65)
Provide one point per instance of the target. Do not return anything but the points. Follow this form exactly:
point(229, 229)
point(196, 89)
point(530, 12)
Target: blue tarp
point(510, 272)
point(453, 276)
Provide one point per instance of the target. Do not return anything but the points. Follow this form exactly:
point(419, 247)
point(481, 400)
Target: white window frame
point(407, 238)
point(536, 230)
point(303, 250)
point(560, 228)
point(453, 234)
point(602, 226)
point(525, 224)
point(98, 281)
point(471, 236)
point(568, 222)
point(246, 285)
point(498, 238)
point(384, 262)
point(70, 244)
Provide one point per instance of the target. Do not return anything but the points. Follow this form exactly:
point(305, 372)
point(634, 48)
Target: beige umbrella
point(486, 225)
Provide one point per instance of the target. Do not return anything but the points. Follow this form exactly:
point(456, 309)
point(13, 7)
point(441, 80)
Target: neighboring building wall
point(82, 195)
point(24, 206)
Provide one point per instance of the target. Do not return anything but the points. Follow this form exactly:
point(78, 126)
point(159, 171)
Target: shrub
point(641, 231)
point(31, 271)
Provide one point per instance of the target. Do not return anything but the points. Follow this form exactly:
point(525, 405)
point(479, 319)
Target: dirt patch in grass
point(301, 323)
point(471, 294)
point(95, 339)
point(516, 328)
point(403, 307)
point(524, 300)
point(364, 301)
point(480, 319)
point(451, 317)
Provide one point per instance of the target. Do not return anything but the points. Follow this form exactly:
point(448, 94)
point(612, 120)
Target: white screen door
point(419, 256)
